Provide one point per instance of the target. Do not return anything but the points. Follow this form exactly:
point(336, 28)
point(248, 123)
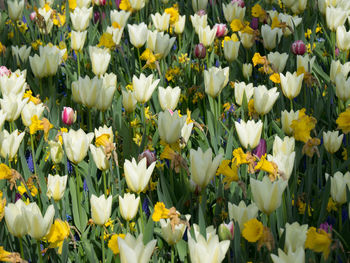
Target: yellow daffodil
point(5, 172)
point(160, 212)
point(113, 243)
point(229, 172)
point(253, 230)
point(303, 126)
point(318, 241)
point(343, 121)
point(59, 231)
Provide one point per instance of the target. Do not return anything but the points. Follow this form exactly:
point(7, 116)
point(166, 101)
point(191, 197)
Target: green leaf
point(73, 194)
point(148, 232)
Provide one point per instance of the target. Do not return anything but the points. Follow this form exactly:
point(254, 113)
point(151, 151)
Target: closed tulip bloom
point(129, 101)
point(335, 17)
point(215, 79)
point(337, 67)
point(86, 90)
point(15, 220)
point(179, 25)
point(170, 125)
point(249, 133)
point(343, 38)
point(14, 83)
point(160, 43)
point(285, 163)
point(56, 152)
point(271, 37)
point(15, 9)
point(128, 206)
point(247, 40)
point(99, 156)
point(21, 53)
point(332, 141)
point(210, 230)
point(169, 97)
point(278, 60)
point(199, 22)
point(78, 39)
point(9, 143)
point(233, 11)
point(206, 35)
point(116, 33)
point(76, 144)
point(138, 34)
point(172, 236)
point(121, 17)
point(264, 99)
point(137, 175)
point(299, 6)
point(186, 133)
point(291, 84)
point(203, 167)
point(56, 185)
point(290, 257)
point(199, 5)
point(133, 250)
point(100, 58)
point(339, 183)
point(69, 116)
point(247, 69)
point(137, 4)
point(286, 120)
point(291, 21)
point(161, 22)
point(81, 18)
point(342, 87)
point(283, 146)
point(37, 64)
point(306, 62)
point(12, 106)
point(231, 49)
point(240, 89)
point(29, 110)
point(207, 251)
point(106, 94)
point(101, 208)
point(38, 226)
point(267, 195)
point(47, 19)
point(144, 87)
point(295, 236)
point(242, 213)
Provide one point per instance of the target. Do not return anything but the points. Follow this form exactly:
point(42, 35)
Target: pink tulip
point(68, 116)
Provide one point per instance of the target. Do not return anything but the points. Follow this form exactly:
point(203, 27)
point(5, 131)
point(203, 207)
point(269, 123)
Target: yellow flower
point(343, 121)
point(72, 4)
point(9, 256)
point(174, 14)
point(258, 11)
point(113, 243)
point(237, 25)
point(230, 173)
point(239, 157)
point(102, 140)
point(308, 33)
point(318, 241)
point(115, 25)
point(59, 231)
point(275, 78)
point(275, 23)
point(168, 153)
point(303, 126)
point(267, 166)
point(22, 26)
point(318, 28)
point(137, 139)
point(251, 109)
point(258, 59)
point(36, 125)
point(183, 58)
point(160, 212)
point(129, 87)
point(125, 5)
point(253, 230)
point(106, 40)
point(2, 206)
point(345, 154)
point(150, 58)
point(331, 206)
point(28, 94)
point(5, 172)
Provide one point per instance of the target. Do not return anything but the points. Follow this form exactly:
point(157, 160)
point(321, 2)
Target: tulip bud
point(150, 157)
point(32, 16)
point(221, 30)
point(68, 115)
point(200, 51)
point(101, 208)
point(56, 151)
point(298, 47)
point(226, 231)
point(97, 17)
point(247, 70)
point(240, 3)
point(56, 185)
point(128, 206)
point(260, 150)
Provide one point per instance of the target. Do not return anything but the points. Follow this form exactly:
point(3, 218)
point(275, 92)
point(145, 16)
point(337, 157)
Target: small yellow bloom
point(308, 33)
point(125, 5)
point(237, 25)
point(5, 172)
point(303, 126)
point(253, 230)
point(343, 121)
point(275, 23)
point(160, 212)
point(106, 40)
point(113, 243)
point(115, 25)
point(36, 125)
point(258, 11)
point(2, 207)
point(137, 139)
point(331, 206)
point(229, 172)
point(258, 59)
point(72, 4)
point(318, 241)
point(174, 14)
point(275, 78)
point(28, 94)
point(31, 187)
point(183, 58)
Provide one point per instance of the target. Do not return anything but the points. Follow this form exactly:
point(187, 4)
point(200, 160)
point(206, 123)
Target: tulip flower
point(339, 183)
point(337, 67)
point(233, 11)
point(56, 185)
point(83, 3)
point(343, 38)
point(291, 84)
point(199, 5)
point(138, 34)
point(210, 230)
point(9, 143)
point(104, 131)
point(56, 151)
point(21, 53)
point(144, 87)
point(15, 9)
point(203, 167)
point(264, 99)
point(271, 37)
point(121, 17)
point(132, 248)
point(150, 156)
point(249, 133)
point(221, 30)
point(172, 236)
point(306, 62)
point(215, 79)
point(298, 6)
point(342, 87)
point(99, 157)
point(291, 21)
point(106, 94)
point(29, 110)
point(161, 22)
point(137, 175)
point(226, 231)
point(38, 226)
point(247, 40)
point(267, 195)
point(12, 106)
point(247, 69)
point(298, 47)
point(278, 60)
point(284, 162)
point(242, 213)
point(78, 39)
point(206, 35)
point(240, 89)
point(295, 237)
point(179, 25)
point(15, 220)
point(101, 208)
point(86, 90)
point(69, 116)
point(335, 17)
point(332, 141)
point(160, 43)
point(2, 118)
point(186, 133)
point(169, 97)
point(100, 58)
point(200, 51)
point(199, 22)
point(116, 33)
point(129, 101)
point(286, 120)
point(81, 18)
point(231, 49)
point(137, 4)
point(283, 146)
point(128, 206)
point(46, 15)
point(297, 256)
point(170, 125)
point(76, 144)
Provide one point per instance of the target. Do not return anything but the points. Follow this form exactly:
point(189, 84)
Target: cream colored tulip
point(291, 84)
point(203, 167)
point(138, 34)
point(12, 106)
point(86, 90)
point(206, 35)
point(161, 22)
point(76, 144)
point(306, 62)
point(247, 70)
point(283, 146)
point(170, 125)
point(129, 101)
point(21, 53)
point(242, 213)
point(170, 235)
point(247, 40)
point(15, 220)
point(215, 79)
point(267, 195)
point(343, 38)
point(249, 133)
point(285, 163)
point(38, 226)
point(278, 60)
point(186, 133)
point(286, 120)
point(137, 4)
point(231, 49)
point(99, 156)
point(199, 5)
point(290, 257)
point(56, 151)
point(56, 185)
point(116, 33)
point(47, 15)
point(240, 89)
point(160, 43)
point(133, 250)
point(78, 39)
point(15, 9)
point(137, 175)
point(179, 25)
point(199, 21)
point(271, 37)
point(144, 87)
point(264, 99)
point(339, 183)
point(100, 58)
point(342, 87)
point(29, 110)
point(128, 206)
point(81, 18)
point(291, 21)
point(105, 130)
point(106, 94)
point(332, 141)
point(337, 67)
point(233, 11)
point(335, 17)
point(83, 3)
point(299, 6)
point(121, 17)
point(101, 208)
point(295, 236)
point(169, 97)
point(210, 230)
point(13, 84)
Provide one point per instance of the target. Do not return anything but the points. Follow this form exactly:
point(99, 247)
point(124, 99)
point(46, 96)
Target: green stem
point(340, 218)
point(141, 214)
point(127, 227)
point(21, 247)
point(78, 179)
point(104, 183)
point(291, 104)
point(172, 254)
point(78, 62)
point(39, 252)
point(33, 153)
point(207, 58)
point(103, 245)
point(41, 88)
point(138, 54)
point(90, 120)
point(180, 40)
